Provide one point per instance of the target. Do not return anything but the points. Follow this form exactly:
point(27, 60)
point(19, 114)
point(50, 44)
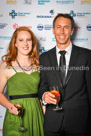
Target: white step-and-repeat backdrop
point(38, 16)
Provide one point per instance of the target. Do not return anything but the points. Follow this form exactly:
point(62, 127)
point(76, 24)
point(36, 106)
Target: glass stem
point(57, 106)
point(21, 123)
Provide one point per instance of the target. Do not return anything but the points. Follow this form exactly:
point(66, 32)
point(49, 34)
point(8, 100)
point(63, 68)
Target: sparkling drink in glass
point(54, 90)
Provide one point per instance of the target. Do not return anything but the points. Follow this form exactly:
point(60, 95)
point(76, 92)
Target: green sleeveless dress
point(21, 84)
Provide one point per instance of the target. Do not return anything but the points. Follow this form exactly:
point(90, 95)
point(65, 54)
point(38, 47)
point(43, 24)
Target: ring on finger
point(11, 107)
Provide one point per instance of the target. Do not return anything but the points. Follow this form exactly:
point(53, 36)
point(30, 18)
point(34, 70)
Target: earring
point(15, 45)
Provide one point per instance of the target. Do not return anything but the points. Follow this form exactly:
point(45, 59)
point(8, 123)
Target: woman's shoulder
point(3, 70)
point(3, 66)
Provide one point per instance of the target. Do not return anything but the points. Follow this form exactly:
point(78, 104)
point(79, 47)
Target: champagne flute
point(54, 90)
point(20, 114)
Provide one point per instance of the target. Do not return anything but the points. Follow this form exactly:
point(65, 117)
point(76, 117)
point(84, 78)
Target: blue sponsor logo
point(65, 1)
point(47, 27)
point(52, 12)
point(72, 13)
point(5, 37)
point(74, 39)
point(47, 16)
point(80, 39)
point(13, 14)
point(42, 50)
point(2, 25)
point(89, 27)
point(1, 48)
point(53, 39)
point(79, 14)
point(42, 16)
point(42, 2)
point(40, 27)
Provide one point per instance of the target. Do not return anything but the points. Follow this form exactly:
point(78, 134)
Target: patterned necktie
point(62, 67)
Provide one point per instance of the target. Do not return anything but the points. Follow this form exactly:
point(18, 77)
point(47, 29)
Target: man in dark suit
point(74, 82)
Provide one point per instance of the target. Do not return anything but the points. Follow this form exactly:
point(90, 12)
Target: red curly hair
point(12, 50)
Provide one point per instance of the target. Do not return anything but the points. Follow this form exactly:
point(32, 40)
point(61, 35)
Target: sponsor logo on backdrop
point(15, 26)
point(11, 1)
point(89, 27)
point(42, 39)
point(77, 27)
point(85, 1)
point(53, 39)
point(42, 50)
point(42, 2)
point(0, 116)
point(1, 48)
point(1, 130)
point(1, 15)
point(5, 37)
point(47, 16)
point(80, 39)
point(41, 27)
point(27, 1)
point(79, 14)
point(75, 39)
point(52, 11)
point(13, 14)
point(65, 1)
point(2, 25)
point(47, 27)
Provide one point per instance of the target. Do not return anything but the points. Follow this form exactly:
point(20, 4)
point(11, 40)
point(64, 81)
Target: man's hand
point(50, 98)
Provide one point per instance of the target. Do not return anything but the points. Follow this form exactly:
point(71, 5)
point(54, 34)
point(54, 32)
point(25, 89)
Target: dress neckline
point(22, 73)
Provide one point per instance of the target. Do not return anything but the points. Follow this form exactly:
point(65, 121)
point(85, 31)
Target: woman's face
point(24, 43)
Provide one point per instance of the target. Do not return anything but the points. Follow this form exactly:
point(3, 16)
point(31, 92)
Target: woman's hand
point(13, 109)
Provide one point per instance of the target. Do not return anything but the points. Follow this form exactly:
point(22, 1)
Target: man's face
point(62, 31)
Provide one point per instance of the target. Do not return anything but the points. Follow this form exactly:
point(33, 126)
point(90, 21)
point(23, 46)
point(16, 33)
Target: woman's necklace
point(28, 68)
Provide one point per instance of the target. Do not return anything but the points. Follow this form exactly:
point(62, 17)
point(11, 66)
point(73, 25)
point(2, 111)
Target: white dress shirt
point(67, 55)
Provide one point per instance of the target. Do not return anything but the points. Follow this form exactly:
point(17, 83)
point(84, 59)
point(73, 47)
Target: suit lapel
point(53, 62)
point(73, 59)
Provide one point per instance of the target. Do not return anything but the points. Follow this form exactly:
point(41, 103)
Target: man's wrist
point(43, 102)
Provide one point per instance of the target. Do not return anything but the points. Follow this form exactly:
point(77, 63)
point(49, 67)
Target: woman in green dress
point(19, 70)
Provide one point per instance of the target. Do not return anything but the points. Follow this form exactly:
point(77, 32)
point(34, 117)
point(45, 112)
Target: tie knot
point(62, 52)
